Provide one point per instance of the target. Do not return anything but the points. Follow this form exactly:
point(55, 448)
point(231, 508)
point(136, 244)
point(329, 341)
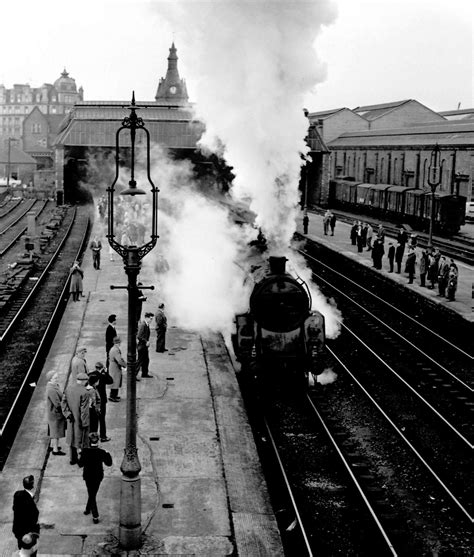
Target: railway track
point(30, 325)
point(319, 504)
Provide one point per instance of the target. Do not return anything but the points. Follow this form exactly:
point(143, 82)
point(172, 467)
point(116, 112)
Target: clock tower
point(172, 89)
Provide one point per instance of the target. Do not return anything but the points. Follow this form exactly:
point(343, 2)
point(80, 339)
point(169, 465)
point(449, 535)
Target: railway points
point(202, 487)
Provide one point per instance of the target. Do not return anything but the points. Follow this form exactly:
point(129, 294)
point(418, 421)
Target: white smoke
point(204, 287)
point(253, 63)
point(326, 377)
point(332, 316)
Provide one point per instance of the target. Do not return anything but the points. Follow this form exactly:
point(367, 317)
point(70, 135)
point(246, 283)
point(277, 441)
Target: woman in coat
point(116, 363)
point(77, 274)
point(56, 419)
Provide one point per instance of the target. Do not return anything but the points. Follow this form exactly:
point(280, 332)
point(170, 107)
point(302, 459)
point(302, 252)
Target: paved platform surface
point(203, 492)
point(463, 303)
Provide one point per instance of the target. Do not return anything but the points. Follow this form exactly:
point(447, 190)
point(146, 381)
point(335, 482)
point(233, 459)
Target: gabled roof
point(325, 113)
point(16, 156)
point(443, 133)
point(375, 111)
point(315, 141)
point(462, 114)
point(96, 123)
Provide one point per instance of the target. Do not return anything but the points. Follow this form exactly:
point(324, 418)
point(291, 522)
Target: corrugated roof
point(96, 124)
point(443, 133)
point(325, 113)
point(380, 106)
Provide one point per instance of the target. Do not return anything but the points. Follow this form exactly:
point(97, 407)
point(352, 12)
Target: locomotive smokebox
point(277, 265)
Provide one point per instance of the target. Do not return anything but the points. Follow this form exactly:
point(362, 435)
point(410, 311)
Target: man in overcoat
point(104, 380)
point(92, 460)
point(143, 343)
point(161, 324)
point(110, 334)
point(75, 406)
point(25, 511)
point(116, 364)
point(79, 363)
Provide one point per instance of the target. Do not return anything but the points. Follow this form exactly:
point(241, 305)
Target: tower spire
point(172, 89)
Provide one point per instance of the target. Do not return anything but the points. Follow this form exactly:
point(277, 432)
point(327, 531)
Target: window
point(36, 128)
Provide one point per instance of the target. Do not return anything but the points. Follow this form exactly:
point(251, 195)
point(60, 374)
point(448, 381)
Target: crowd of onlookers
point(434, 269)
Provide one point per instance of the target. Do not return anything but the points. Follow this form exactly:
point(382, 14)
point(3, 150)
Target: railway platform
point(340, 242)
point(203, 492)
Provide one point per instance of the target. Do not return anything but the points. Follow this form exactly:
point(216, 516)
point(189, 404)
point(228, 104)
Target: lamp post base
point(130, 529)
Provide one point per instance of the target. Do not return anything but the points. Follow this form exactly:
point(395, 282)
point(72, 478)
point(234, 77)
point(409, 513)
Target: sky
point(367, 51)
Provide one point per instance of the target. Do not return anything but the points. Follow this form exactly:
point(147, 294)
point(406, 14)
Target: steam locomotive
point(280, 337)
point(400, 204)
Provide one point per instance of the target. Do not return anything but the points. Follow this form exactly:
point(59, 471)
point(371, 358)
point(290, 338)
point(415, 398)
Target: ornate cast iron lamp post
point(434, 180)
point(130, 493)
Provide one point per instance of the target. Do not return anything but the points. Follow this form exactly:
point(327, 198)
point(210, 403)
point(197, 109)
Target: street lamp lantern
point(434, 180)
point(132, 254)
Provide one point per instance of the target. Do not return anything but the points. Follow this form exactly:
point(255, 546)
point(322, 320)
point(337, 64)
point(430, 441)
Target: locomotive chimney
point(277, 265)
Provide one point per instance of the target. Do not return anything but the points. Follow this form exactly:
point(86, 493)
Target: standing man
point(305, 223)
point(92, 460)
point(75, 406)
point(143, 342)
point(326, 219)
point(332, 223)
point(399, 256)
point(96, 246)
point(391, 256)
point(104, 380)
point(25, 511)
point(78, 363)
point(116, 363)
point(161, 326)
point(110, 334)
point(140, 299)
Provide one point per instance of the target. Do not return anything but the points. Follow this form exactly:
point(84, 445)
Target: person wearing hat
point(54, 413)
point(75, 406)
point(161, 324)
point(78, 363)
point(92, 460)
point(116, 364)
point(104, 380)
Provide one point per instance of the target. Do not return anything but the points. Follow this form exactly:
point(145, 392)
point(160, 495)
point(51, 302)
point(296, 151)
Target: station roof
point(443, 134)
point(16, 157)
point(370, 112)
point(95, 124)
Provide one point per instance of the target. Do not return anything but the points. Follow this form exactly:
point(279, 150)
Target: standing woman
point(77, 274)
point(56, 419)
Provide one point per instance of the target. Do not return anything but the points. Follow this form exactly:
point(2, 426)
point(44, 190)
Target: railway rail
point(31, 324)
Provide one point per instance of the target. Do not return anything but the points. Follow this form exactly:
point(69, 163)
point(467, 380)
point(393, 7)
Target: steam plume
point(253, 63)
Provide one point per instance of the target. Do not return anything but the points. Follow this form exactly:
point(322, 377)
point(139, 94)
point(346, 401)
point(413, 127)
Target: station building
point(88, 134)
point(391, 143)
point(31, 115)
